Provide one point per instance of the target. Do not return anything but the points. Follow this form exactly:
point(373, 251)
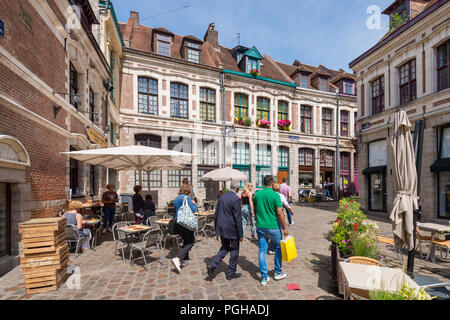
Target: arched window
point(263, 109)
point(240, 106)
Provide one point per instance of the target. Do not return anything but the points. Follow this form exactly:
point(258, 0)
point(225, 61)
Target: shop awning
point(441, 165)
point(374, 170)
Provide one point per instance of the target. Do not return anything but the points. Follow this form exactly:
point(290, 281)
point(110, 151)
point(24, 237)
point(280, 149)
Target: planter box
point(336, 271)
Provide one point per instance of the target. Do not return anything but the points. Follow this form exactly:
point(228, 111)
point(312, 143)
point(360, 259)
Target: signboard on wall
point(96, 137)
point(294, 137)
point(365, 126)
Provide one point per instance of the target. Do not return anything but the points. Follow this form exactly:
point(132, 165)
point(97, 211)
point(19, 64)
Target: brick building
point(173, 87)
point(407, 69)
point(52, 99)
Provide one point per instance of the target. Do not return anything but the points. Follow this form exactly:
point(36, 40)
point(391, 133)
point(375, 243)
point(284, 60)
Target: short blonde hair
point(73, 205)
point(276, 187)
point(246, 189)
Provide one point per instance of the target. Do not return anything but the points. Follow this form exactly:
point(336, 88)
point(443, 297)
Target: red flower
point(355, 227)
point(346, 206)
point(339, 221)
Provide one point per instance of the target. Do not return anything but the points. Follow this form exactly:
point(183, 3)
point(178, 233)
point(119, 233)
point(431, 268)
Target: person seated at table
point(109, 199)
point(75, 219)
point(149, 207)
point(138, 204)
point(188, 236)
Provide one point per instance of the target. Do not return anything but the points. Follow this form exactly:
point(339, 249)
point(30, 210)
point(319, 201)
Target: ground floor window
point(155, 179)
point(261, 172)
point(345, 182)
point(177, 176)
point(444, 195)
point(200, 173)
point(246, 170)
point(306, 179)
point(74, 175)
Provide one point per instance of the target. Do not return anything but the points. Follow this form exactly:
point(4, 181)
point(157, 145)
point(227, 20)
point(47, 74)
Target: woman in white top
point(276, 188)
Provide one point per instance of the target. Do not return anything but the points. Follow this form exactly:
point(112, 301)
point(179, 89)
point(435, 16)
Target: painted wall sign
point(96, 137)
point(2, 28)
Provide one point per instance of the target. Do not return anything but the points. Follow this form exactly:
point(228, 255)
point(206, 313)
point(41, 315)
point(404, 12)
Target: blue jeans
point(247, 215)
point(289, 216)
point(328, 193)
point(109, 216)
point(264, 236)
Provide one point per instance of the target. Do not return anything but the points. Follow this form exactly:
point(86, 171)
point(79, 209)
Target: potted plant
point(254, 72)
point(263, 123)
point(351, 235)
point(405, 292)
point(243, 121)
point(284, 125)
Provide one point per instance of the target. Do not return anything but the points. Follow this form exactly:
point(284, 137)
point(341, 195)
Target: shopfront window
point(443, 173)
point(444, 195)
point(305, 179)
point(377, 154)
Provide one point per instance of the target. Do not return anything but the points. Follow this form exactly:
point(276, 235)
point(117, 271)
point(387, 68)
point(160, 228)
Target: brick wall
point(127, 91)
point(33, 43)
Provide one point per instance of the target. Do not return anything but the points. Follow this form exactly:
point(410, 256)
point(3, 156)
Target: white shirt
point(283, 200)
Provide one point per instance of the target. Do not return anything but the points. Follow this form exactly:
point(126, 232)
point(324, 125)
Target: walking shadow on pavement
point(243, 263)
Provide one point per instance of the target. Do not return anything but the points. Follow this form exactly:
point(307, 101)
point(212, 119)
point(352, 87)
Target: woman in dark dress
point(149, 207)
point(138, 204)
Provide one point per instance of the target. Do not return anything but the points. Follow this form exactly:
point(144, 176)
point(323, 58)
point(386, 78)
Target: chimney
point(212, 36)
point(135, 17)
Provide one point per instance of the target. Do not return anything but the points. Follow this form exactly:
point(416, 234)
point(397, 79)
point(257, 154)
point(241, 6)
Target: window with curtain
point(179, 100)
point(240, 105)
point(327, 121)
point(207, 105)
point(408, 90)
point(148, 95)
point(163, 45)
point(443, 66)
point(306, 157)
point(327, 158)
point(283, 110)
point(180, 144)
point(208, 152)
point(263, 109)
point(378, 95)
point(345, 115)
point(306, 119)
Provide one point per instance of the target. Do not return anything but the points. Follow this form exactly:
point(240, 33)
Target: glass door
point(377, 192)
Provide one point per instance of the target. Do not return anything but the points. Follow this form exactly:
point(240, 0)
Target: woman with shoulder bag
point(183, 201)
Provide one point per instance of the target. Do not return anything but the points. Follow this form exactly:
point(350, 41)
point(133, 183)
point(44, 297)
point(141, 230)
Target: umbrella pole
point(418, 147)
point(148, 181)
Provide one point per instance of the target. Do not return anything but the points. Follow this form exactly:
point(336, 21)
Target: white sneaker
point(176, 262)
point(292, 223)
point(185, 262)
point(264, 281)
point(280, 276)
point(271, 252)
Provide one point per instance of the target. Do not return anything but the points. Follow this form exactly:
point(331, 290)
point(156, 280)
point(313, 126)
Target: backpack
point(186, 218)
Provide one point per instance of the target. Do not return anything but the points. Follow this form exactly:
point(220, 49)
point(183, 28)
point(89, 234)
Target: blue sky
point(315, 32)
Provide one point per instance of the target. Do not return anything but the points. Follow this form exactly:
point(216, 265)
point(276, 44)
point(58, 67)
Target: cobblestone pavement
point(105, 276)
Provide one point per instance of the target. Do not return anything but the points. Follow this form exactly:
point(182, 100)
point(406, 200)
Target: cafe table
point(95, 223)
point(360, 279)
point(434, 228)
point(205, 213)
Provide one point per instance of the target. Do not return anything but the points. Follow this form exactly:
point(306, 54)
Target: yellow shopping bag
point(288, 250)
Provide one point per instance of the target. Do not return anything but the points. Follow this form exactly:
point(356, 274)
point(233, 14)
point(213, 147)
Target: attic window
point(252, 64)
point(193, 52)
point(323, 84)
point(163, 45)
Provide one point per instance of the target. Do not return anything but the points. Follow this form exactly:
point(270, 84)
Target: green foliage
point(365, 245)
point(397, 20)
point(349, 223)
point(406, 292)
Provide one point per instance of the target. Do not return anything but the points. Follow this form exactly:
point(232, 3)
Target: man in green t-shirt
point(269, 214)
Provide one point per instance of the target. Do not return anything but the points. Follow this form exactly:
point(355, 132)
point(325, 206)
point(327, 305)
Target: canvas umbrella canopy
point(139, 158)
point(405, 181)
point(224, 174)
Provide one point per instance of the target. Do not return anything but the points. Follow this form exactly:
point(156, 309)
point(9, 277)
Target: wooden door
point(281, 175)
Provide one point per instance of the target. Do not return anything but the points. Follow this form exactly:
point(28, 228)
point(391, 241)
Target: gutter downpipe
point(337, 178)
point(224, 128)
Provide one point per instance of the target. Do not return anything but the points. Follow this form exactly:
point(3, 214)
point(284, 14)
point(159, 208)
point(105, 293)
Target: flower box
point(254, 72)
point(243, 121)
point(284, 125)
point(263, 123)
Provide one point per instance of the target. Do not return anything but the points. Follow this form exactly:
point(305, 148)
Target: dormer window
point(193, 52)
point(348, 88)
point(163, 44)
point(323, 84)
point(303, 81)
point(252, 64)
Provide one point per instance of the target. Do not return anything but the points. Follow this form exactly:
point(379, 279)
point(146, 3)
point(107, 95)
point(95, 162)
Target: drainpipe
point(224, 128)
point(337, 179)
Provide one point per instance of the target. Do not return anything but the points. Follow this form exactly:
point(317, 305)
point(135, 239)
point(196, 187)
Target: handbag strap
point(185, 201)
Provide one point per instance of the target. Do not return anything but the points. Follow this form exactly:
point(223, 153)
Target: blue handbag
point(186, 218)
